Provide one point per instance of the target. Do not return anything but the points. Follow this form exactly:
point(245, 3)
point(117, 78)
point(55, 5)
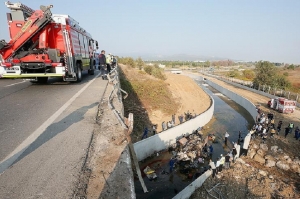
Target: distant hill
point(175, 57)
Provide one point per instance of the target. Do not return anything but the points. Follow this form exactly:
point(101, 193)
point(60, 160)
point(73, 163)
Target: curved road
point(45, 131)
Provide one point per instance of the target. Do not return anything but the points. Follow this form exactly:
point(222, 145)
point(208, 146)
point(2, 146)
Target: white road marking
point(4, 164)
point(16, 83)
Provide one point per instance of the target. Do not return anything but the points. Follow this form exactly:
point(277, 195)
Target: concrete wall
point(249, 106)
point(189, 190)
point(163, 140)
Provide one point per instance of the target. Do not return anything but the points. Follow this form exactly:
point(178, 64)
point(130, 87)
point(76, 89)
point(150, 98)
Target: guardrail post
point(269, 89)
point(289, 95)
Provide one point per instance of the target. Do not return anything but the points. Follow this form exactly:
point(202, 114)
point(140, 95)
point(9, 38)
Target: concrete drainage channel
point(147, 149)
point(158, 144)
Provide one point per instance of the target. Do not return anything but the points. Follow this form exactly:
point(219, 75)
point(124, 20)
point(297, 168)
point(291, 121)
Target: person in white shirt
point(226, 138)
point(263, 119)
point(169, 125)
point(222, 161)
point(217, 165)
point(213, 167)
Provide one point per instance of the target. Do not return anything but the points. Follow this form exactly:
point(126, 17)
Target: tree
point(265, 73)
point(233, 73)
point(282, 82)
point(292, 67)
point(249, 74)
point(140, 63)
point(131, 62)
point(206, 64)
point(148, 69)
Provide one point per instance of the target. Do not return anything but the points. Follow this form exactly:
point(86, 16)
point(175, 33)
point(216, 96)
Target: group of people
point(265, 125)
point(222, 161)
point(106, 63)
point(169, 124)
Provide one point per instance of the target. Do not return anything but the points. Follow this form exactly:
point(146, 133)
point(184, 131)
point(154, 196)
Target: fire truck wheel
point(42, 80)
point(79, 72)
point(91, 71)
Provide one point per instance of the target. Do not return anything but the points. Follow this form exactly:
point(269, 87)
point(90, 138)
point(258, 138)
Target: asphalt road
point(45, 131)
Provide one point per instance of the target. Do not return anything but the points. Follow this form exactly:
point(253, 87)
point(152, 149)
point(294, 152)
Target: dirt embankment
point(153, 101)
point(187, 93)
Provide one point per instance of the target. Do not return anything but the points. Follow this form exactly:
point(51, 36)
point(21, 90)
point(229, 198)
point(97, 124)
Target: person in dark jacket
point(297, 133)
point(287, 131)
point(145, 134)
point(234, 153)
point(279, 127)
point(102, 64)
point(227, 161)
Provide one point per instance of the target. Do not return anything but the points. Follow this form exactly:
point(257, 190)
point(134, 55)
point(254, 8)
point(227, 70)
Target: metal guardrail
point(113, 79)
point(265, 90)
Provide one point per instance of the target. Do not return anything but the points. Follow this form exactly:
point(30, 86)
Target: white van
point(176, 71)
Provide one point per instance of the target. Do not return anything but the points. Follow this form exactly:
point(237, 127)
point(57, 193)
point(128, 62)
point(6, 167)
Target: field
point(293, 77)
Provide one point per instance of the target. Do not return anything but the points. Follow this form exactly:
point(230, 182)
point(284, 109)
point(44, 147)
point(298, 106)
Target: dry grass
point(145, 94)
point(293, 77)
point(153, 93)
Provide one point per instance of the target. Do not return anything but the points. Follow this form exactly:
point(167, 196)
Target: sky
point(249, 30)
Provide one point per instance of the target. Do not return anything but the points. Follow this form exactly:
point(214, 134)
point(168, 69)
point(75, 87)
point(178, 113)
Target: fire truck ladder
point(19, 6)
point(68, 55)
point(23, 36)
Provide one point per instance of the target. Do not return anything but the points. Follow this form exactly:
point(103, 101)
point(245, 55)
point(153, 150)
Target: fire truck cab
point(44, 45)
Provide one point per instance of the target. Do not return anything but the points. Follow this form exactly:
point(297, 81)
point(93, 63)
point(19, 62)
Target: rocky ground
point(270, 170)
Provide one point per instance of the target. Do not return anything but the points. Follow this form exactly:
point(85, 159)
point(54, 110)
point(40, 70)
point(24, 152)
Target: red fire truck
point(44, 45)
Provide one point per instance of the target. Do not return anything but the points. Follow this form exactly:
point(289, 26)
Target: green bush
point(233, 73)
point(248, 74)
point(140, 63)
point(155, 71)
point(158, 73)
point(148, 69)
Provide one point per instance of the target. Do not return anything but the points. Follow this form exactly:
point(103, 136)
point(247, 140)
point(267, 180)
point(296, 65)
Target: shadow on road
point(53, 130)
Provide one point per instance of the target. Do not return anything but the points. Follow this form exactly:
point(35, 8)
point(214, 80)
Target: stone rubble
point(260, 174)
